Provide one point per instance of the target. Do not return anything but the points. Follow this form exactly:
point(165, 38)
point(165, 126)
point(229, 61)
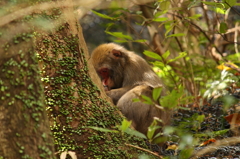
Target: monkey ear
point(116, 54)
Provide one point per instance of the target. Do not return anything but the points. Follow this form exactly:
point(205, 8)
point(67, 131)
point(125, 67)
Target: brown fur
point(127, 76)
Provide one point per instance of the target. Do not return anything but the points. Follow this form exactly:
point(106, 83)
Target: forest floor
point(215, 126)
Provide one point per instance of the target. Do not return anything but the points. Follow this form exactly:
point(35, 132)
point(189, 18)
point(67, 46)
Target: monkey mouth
point(105, 84)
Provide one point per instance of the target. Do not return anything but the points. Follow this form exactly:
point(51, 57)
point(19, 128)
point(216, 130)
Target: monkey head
point(109, 61)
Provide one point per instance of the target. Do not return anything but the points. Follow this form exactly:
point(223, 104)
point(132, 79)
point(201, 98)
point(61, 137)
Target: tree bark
point(25, 129)
point(75, 103)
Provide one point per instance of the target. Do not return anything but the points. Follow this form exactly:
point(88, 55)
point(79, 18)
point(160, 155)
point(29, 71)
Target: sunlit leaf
point(159, 13)
point(161, 19)
point(140, 40)
point(195, 16)
point(156, 93)
point(125, 124)
point(176, 35)
point(181, 55)
point(119, 35)
point(220, 10)
point(166, 54)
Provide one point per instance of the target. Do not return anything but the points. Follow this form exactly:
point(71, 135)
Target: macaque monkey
point(126, 76)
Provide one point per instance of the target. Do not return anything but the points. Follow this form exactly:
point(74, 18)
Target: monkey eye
point(116, 53)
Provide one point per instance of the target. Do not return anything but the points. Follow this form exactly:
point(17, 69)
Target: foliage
point(186, 44)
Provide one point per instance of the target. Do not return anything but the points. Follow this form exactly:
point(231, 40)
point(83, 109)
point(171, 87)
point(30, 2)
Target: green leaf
point(119, 35)
point(230, 3)
point(176, 35)
point(171, 100)
point(152, 129)
point(159, 139)
point(140, 40)
point(121, 41)
point(158, 14)
point(103, 15)
point(161, 19)
point(135, 133)
point(125, 124)
point(223, 27)
point(152, 55)
point(181, 55)
point(146, 99)
point(200, 118)
point(166, 54)
point(209, 3)
point(158, 64)
point(164, 5)
point(195, 16)
point(212, 134)
point(136, 100)
point(186, 153)
point(103, 129)
point(220, 10)
point(169, 130)
point(156, 93)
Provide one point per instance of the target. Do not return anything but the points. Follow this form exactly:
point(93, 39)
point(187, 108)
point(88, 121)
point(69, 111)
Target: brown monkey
point(126, 76)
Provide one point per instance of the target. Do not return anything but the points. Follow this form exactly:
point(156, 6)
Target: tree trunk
point(24, 124)
point(74, 101)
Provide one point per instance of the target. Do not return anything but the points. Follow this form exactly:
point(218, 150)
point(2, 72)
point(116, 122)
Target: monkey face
point(109, 61)
point(104, 74)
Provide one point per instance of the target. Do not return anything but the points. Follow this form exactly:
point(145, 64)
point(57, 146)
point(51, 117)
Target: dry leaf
point(223, 67)
point(172, 147)
point(207, 142)
point(233, 119)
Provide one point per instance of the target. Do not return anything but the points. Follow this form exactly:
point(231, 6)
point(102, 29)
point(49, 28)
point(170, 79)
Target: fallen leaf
point(172, 147)
point(223, 67)
point(233, 119)
point(207, 142)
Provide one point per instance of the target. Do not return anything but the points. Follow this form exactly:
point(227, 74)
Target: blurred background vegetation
point(188, 42)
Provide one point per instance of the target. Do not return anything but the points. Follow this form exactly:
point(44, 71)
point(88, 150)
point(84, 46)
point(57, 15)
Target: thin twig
point(235, 38)
point(217, 144)
point(148, 151)
point(232, 67)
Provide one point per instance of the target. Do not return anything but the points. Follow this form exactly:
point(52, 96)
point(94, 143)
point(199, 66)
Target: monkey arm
point(116, 94)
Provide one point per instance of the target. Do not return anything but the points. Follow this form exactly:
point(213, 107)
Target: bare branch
point(45, 6)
